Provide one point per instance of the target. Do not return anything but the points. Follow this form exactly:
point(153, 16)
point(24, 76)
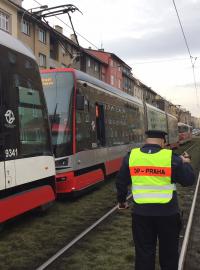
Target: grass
point(110, 246)
point(30, 239)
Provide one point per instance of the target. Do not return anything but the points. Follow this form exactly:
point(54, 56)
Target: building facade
point(195, 122)
point(51, 48)
point(117, 73)
point(8, 16)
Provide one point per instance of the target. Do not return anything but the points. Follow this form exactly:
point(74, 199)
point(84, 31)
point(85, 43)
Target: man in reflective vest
point(153, 172)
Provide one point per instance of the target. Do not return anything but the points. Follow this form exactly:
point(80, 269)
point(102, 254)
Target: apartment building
point(8, 16)
point(51, 47)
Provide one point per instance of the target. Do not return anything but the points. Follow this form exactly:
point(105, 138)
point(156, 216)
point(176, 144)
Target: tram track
point(66, 248)
point(188, 229)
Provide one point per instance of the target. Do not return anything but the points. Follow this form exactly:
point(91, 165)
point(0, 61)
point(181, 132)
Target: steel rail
point(188, 229)
point(79, 237)
point(85, 232)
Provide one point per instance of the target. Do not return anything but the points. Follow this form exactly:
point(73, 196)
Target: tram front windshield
point(58, 89)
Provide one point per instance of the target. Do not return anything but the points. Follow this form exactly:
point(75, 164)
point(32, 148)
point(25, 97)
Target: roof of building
point(111, 54)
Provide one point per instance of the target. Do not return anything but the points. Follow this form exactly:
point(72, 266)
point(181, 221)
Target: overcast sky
point(147, 36)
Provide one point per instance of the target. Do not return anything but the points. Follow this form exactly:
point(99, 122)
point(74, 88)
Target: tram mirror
point(80, 102)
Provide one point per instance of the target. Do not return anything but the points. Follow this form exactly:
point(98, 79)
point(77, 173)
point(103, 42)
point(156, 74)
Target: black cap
point(156, 134)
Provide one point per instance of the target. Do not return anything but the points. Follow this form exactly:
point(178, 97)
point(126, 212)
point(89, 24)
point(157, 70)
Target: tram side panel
point(111, 126)
point(172, 131)
point(26, 160)
point(156, 119)
point(159, 120)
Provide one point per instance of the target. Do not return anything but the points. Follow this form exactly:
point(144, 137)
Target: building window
point(4, 21)
point(42, 36)
point(26, 27)
point(119, 84)
point(112, 80)
point(42, 60)
point(89, 62)
point(96, 67)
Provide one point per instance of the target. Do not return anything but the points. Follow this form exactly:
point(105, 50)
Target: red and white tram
point(185, 133)
point(27, 170)
point(94, 125)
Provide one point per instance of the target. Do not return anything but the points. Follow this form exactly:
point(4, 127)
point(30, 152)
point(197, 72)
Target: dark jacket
point(182, 173)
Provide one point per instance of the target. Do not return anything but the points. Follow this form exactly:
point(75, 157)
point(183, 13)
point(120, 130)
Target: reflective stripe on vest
point(151, 176)
point(167, 187)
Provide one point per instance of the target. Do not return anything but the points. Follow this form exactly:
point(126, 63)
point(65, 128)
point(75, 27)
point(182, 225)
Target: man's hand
point(123, 205)
point(186, 158)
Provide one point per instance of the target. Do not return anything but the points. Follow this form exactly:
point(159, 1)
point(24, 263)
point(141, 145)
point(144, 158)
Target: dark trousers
point(146, 231)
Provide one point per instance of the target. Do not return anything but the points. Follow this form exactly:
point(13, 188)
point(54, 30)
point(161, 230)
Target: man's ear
point(162, 143)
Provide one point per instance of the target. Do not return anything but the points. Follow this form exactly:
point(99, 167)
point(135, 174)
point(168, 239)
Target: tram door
point(100, 124)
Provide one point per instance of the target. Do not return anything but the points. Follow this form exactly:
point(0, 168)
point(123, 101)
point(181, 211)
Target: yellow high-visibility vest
point(151, 176)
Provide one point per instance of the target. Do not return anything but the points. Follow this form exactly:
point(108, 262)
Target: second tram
point(94, 125)
point(185, 133)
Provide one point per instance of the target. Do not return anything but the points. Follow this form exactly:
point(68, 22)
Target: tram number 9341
point(11, 153)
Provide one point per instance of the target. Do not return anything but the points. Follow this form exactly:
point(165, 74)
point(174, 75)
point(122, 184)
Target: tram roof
point(155, 108)
point(183, 124)
point(159, 110)
point(87, 78)
point(11, 42)
point(172, 116)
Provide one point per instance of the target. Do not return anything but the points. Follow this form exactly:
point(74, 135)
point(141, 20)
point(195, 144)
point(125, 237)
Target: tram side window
point(124, 123)
point(182, 129)
point(135, 123)
point(173, 131)
point(83, 127)
point(32, 129)
point(156, 120)
point(114, 124)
